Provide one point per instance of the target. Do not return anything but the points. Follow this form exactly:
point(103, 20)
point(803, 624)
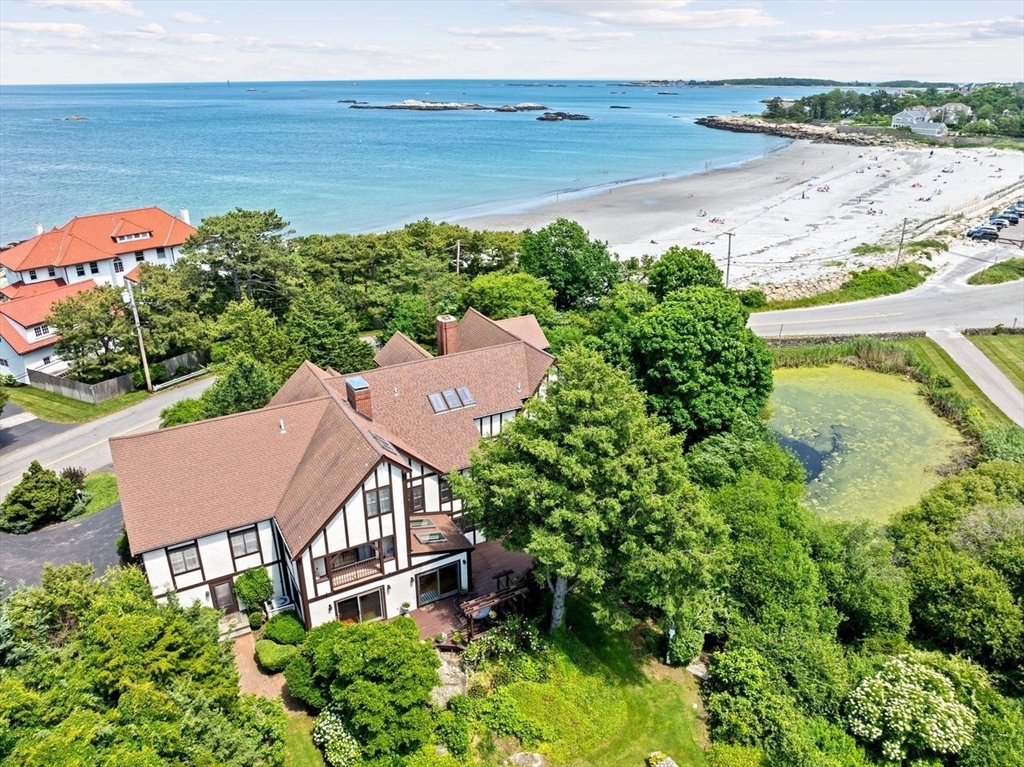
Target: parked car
point(982, 229)
point(1010, 216)
point(987, 236)
point(999, 223)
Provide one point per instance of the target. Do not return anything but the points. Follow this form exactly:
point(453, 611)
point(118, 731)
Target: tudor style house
point(337, 487)
point(54, 265)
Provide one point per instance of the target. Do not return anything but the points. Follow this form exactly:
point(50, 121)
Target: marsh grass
point(869, 283)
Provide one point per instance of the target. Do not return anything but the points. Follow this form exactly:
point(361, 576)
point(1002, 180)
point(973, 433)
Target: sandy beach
point(795, 213)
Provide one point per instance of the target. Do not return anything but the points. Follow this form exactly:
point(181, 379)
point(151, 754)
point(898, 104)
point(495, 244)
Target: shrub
point(1005, 443)
point(301, 685)
point(501, 716)
point(285, 628)
point(82, 501)
point(158, 372)
point(139, 379)
point(182, 411)
point(339, 747)
point(725, 755)
point(122, 545)
point(39, 498)
point(273, 657)
point(255, 619)
point(181, 370)
point(74, 474)
point(752, 298)
point(453, 732)
point(8, 380)
point(254, 587)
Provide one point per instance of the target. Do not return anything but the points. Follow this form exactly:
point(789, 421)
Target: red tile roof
point(91, 238)
point(25, 289)
point(9, 332)
point(33, 309)
point(202, 478)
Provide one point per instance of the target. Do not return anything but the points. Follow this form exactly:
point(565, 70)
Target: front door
point(223, 594)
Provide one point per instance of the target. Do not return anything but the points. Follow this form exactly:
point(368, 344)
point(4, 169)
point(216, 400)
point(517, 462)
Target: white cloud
point(69, 31)
point(563, 34)
point(119, 7)
point(184, 17)
point(657, 14)
point(479, 45)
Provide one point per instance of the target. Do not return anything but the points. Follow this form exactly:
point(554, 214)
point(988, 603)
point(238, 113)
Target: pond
point(870, 444)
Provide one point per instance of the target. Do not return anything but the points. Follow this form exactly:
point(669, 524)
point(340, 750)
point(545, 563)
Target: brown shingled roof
point(400, 348)
point(527, 328)
point(477, 331)
point(304, 383)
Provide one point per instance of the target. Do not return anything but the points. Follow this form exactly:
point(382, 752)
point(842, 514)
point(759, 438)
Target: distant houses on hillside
point(930, 121)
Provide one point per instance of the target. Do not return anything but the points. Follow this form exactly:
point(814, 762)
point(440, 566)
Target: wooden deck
point(489, 559)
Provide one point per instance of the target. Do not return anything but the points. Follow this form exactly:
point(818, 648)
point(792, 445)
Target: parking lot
point(1002, 226)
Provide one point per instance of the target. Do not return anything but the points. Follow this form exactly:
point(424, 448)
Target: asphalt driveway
point(91, 540)
point(19, 428)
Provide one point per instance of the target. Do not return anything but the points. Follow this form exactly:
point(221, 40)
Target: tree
point(246, 250)
point(500, 295)
point(680, 268)
point(247, 385)
point(254, 587)
point(97, 336)
point(699, 363)
point(41, 497)
point(183, 411)
point(324, 332)
point(596, 491)
point(376, 676)
point(578, 269)
point(246, 329)
point(169, 312)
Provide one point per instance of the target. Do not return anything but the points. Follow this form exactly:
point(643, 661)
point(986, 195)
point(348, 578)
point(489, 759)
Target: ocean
point(327, 168)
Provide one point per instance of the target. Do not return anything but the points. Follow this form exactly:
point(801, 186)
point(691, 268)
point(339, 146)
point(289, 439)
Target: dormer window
point(32, 274)
point(130, 237)
point(50, 271)
point(41, 330)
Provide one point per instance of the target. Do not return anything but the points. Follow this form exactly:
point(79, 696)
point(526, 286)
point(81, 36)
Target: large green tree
point(97, 337)
point(699, 363)
point(246, 329)
point(510, 294)
point(680, 268)
point(169, 313)
point(247, 385)
point(40, 497)
point(325, 333)
point(578, 269)
point(597, 492)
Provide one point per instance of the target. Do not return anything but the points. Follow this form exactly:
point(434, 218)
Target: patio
point(493, 568)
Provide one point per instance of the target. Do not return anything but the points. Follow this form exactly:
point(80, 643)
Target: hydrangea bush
point(339, 747)
point(910, 710)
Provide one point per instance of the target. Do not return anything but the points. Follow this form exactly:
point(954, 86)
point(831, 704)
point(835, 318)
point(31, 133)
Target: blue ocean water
point(210, 147)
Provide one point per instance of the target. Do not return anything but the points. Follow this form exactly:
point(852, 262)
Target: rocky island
point(821, 134)
point(554, 117)
point(449, 106)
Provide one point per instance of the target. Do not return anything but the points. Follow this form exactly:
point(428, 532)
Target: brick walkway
point(256, 682)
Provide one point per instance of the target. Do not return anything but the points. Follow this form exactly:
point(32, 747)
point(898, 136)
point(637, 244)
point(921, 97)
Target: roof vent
point(283, 430)
point(39, 228)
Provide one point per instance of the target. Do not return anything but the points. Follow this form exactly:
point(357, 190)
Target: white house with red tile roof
point(53, 265)
point(26, 340)
point(101, 247)
point(337, 487)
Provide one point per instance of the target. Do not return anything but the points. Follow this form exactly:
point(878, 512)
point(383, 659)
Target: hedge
point(273, 657)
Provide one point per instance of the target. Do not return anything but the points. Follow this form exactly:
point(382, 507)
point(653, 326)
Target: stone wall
point(804, 288)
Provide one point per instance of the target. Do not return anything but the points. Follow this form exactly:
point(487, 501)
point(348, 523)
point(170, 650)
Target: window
point(32, 274)
point(420, 524)
point(41, 330)
point(245, 542)
point(446, 491)
point(4, 363)
point(451, 399)
point(435, 537)
point(80, 270)
point(416, 499)
point(51, 272)
point(378, 501)
point(140, 256)
point(94, 267)
point(46, 360)
point(161, 253)
point(184, 560)
point(366, 607)
point(438, 584)
point(465, 396)
point(130, 237)
point(437, 402)
point(118, 266)
point(387, 547)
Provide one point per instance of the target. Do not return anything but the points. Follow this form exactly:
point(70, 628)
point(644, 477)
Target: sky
point(123, 41)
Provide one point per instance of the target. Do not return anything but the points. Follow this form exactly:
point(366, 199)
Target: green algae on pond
point(869, 442)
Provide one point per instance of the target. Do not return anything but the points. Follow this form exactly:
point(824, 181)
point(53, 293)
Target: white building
point(54, 265)
point(930, 129)
point(908, 118)
point(337, 487)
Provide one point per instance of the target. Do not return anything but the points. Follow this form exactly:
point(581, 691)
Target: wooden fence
point(103, 390)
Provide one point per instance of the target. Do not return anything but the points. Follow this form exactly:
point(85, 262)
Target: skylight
point(431, 538)
point(384, 443)
point(420, 524)
point(451, 399)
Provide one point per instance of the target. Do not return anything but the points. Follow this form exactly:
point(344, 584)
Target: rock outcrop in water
point(449, 106)
point(821, 134)
point(553, 117)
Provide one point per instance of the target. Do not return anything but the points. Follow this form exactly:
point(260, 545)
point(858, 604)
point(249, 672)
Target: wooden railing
point(357, 571)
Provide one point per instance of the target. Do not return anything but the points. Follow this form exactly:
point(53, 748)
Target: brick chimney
point(446, 339)
point(358, 391)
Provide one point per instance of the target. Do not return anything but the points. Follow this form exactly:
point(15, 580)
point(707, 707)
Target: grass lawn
point(103, 489)
point(944, 364)
point(53, 407)
point(1007, 271)
point(299, 750)
point(869, 283)
point(607, 703)
point(1006, 351)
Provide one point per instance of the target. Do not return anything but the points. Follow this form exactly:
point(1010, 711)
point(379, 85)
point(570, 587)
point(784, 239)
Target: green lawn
point(53, 407)
point(299, 750)
point(103, 489)
point(1006, 271)
point(944, 364)
point(1006, 351)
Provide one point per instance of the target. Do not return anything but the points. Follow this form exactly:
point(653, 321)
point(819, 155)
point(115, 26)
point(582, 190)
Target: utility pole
point(458, 255)
point(138, 330)
point(728, 258)
point(900, 251)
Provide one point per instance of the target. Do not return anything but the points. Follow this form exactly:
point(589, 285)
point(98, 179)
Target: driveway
point(19, 428)
point(89, 540)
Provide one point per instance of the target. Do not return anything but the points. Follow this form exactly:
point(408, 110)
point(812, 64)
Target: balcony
point(356, 571)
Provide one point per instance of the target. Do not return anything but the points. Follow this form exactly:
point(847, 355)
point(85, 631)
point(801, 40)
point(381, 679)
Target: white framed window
point(161, 253)
point(51, 272)
point(140, 255)
point(184, 560)
point(244, 542)
point(361, 609)
point(4, 363)
point(32, 274)
point(118, 266)
point(46, 360)
point(41, 330)
point(378, 501)
point(80, 270)
point(94, 267)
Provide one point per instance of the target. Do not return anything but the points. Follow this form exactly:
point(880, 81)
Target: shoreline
point(795, 212)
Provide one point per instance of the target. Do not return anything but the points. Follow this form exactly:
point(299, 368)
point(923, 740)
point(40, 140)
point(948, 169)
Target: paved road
point(944, 302)
point(990, 379)
point(19, 428)
point(91, 540)
point(86, 445)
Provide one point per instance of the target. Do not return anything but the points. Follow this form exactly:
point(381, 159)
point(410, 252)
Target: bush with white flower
point(910, 710)
point(339, 747)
